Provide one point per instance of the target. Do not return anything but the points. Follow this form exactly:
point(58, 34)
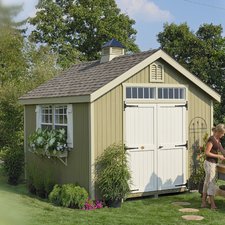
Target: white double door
point(155, 141)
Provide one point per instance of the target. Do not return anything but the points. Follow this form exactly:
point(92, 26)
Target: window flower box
point(49, 143)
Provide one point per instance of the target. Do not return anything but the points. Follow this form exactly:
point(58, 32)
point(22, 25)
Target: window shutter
point(38, 116)
point(70, 125)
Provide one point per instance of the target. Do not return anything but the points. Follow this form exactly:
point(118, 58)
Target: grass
point(17, 207)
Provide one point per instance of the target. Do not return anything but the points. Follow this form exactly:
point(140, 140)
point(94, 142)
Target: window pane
point(128, 92)
point(152, 92)
point(146, 92)
point(134, 92)
point(61, 110)
point(60, 115)
point(160, 93)
point(170, 93)
point(165, 93)
point(176, 94)
point(140, 92)
point(182, 95)
point(65, 119)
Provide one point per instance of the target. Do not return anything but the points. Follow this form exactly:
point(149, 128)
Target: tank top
point(216, 147)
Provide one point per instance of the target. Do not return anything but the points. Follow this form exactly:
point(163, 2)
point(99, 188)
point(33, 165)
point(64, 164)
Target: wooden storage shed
point(147, 101)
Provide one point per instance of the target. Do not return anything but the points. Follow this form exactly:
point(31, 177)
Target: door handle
point(160, 146)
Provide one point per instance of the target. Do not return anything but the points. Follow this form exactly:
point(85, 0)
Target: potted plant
point(113, 175)
point(48, 142)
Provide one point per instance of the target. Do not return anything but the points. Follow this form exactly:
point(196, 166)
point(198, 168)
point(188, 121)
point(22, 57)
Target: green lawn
point(17, 207)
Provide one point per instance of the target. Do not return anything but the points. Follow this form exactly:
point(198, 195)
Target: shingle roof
point(85, 78)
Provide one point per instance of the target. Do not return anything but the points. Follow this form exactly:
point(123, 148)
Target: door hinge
point(186, 105)
point(184, 145)
point(129, 148)
point(181, 185)
point(125, 106)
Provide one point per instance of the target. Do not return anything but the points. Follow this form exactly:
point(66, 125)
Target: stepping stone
point(192, 217)
point(181, 203)
point(188, 210)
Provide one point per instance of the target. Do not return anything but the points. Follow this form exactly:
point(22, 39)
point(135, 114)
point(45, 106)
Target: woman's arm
point(221, 149)
point(210, 154)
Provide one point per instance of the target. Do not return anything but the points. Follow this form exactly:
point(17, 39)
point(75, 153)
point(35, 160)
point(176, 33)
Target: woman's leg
point(211, 183)
point(206, 184)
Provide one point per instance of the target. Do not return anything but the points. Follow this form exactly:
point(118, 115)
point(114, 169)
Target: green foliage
point(11, 118)
point(40, 181)
point(112, 173)
point(48, 142)
point(55, 195)
point(68, 195)
point(13, 164)
point(198, 174)
point(76, 30)
point(202, 53)
point(12, 61)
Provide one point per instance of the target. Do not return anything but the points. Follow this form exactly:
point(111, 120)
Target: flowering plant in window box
point(49, 142)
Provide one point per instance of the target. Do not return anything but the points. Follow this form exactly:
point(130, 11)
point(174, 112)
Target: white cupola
point(111, 49)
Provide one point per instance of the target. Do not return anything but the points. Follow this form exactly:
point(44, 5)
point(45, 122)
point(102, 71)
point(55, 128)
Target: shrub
point(55, 195)
point(13, 164)
point(40, 181)
point(73, 196)
point(112, 173)
point(68, 195)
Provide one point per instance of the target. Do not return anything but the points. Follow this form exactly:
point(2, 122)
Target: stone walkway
point(188, 210)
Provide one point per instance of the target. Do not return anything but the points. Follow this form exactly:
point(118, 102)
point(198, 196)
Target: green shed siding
point(108, 110)
point(77, 169)
point(108, 122)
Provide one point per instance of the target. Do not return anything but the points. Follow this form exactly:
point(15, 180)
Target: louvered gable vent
point(156, 72)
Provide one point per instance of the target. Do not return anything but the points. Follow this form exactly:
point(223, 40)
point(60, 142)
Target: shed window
point(171, 93)
point(140, 92)
point(156, 72)
point(56, 117)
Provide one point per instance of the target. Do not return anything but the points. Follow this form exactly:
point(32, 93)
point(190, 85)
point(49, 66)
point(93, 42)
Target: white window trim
point(150, 72)
point(69, 120)
point(156, 100)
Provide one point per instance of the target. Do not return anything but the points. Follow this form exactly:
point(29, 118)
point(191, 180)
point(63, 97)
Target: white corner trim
point(146, 62)
point(211, 111)
point(91, 152)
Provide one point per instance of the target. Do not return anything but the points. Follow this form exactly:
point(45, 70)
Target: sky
point(151, 15)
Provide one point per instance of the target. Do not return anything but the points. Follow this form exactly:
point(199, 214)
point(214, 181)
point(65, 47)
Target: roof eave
point(55, 100)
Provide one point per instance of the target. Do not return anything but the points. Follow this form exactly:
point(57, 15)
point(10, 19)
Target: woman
point(213, 146)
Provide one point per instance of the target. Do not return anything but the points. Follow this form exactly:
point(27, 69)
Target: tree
point(202, 53)
point(7, 15)
point(12, 62)
point(78, 29)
